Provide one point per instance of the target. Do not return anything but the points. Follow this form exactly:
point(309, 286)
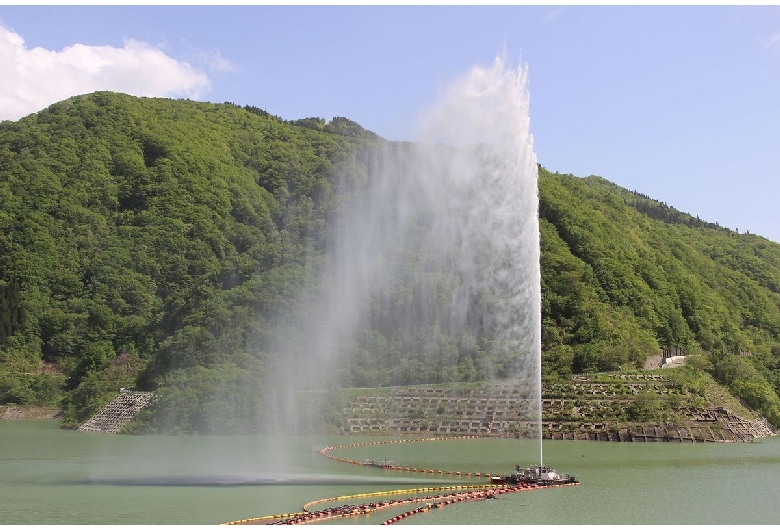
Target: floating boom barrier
point(436, 497)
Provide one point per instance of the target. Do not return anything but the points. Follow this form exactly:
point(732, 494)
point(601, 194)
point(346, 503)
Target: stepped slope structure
point(118, 412)
point(582, 409)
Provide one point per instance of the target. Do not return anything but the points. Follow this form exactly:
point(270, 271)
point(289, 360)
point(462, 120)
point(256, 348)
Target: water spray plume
point(434, 254)
point(490, 108)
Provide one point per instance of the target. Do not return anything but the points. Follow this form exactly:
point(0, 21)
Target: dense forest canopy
point(156, 244)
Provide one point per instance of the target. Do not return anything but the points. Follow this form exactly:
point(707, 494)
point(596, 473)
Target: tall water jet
point(432, 272)
point(494, 187)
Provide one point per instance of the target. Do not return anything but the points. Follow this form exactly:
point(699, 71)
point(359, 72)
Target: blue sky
point(679, 103)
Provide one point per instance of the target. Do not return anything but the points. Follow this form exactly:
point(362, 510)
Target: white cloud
point(774, 42)
point(552, 16)
point(35, 78)
point(217, 62)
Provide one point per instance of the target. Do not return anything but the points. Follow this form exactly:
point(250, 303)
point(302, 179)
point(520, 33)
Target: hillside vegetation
point(156, 244)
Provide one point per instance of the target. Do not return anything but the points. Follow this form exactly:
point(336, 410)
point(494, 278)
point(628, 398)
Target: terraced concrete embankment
point(597, 407)
point(492, 408)
point(585, 408)
point(118, 413)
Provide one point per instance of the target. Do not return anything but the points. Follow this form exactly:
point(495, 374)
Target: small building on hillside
point(673, 362)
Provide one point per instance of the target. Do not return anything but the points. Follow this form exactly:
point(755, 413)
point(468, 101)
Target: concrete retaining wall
point(118, 413)
point(581, 410)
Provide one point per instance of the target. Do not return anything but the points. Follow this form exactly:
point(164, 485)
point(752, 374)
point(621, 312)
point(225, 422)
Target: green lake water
point(53, 476)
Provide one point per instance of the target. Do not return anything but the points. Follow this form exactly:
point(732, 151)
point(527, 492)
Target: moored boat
point(539, 475)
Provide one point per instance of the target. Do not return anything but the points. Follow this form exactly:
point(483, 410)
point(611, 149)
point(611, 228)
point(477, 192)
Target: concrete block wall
point(118, 413)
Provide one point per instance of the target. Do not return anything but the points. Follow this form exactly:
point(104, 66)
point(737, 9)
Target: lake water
point(53, 476)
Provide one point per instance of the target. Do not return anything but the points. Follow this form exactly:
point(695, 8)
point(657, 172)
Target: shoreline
point(28, 412)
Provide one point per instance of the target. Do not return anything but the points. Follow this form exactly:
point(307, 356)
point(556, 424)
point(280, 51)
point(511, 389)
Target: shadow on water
point(246, 480)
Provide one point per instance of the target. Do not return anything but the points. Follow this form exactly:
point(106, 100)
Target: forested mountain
point(155, 244)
